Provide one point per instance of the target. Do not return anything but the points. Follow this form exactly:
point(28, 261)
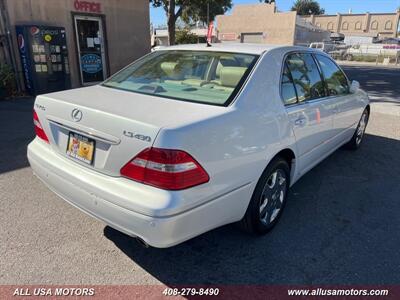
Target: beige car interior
point(225, 78)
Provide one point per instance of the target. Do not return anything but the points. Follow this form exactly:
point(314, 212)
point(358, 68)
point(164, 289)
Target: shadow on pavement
point(16, 131)
point(340, 226)
point(380, 82)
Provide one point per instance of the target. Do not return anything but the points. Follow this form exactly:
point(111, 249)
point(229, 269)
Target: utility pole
point(208, 13)
point(208, 24)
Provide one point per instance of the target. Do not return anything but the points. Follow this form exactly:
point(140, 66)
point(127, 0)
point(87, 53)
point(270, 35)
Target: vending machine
point(44, 58)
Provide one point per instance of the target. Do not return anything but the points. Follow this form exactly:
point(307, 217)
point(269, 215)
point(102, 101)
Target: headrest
point(170, 68)
point(230, 76)
point(224, 62)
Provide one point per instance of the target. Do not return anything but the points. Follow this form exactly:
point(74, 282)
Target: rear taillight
point(38, 128)
point(166, 169)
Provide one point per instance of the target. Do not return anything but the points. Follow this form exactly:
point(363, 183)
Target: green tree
point(307, 7)
point(184, 36)
point(190, 11)
point(197, 10)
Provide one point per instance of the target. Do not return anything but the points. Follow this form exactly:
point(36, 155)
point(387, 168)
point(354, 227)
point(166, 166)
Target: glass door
point(91, 49)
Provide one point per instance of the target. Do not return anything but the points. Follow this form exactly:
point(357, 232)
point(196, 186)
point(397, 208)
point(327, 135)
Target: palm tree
point(307, 7)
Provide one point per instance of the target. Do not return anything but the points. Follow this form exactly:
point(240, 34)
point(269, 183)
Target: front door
point(91, 49)
point(347, 105)
point(309, 109)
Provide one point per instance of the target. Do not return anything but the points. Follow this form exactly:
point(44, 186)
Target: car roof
point(234, 47)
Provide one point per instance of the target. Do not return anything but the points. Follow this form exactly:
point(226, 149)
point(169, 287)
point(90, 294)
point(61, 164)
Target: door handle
point(300, 121)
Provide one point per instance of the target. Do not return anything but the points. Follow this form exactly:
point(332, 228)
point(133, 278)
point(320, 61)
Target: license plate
point(80, 148)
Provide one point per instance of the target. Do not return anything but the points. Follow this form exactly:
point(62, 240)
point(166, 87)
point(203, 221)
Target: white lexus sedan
point(189, 138)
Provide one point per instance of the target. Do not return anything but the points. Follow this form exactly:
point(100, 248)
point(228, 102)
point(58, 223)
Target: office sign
point(87, 6)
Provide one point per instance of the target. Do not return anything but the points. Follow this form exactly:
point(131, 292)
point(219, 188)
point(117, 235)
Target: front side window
point(197, 76)
point(306, 76)
point(335, 79)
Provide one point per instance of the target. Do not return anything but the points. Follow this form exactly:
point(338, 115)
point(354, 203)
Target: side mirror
point(355, 86)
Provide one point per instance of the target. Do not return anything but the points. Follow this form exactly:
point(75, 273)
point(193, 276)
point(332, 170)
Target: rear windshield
point(197, 76)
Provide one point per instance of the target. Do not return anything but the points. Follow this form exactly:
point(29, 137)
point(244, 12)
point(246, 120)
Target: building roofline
point(371, 14)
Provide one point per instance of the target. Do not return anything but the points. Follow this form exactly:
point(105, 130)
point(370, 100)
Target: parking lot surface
point(341, 224)
point(381, 83)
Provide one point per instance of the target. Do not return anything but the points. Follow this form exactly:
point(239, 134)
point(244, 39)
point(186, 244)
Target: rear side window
point(287, 87)
point(306, 77)
point(334, 77)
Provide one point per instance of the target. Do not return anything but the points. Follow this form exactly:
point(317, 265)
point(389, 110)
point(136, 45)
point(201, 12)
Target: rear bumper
point(105, 198)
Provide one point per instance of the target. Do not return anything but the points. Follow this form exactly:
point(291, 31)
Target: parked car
point(340, 52)
point(391, 41)
point(323, 46)
point(189, 138)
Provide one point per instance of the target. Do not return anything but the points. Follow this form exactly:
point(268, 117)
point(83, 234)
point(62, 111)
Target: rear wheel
point(269, 198)
point(358, 136)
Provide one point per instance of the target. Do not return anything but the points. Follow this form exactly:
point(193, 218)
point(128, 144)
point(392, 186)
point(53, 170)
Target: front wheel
point(269, 198)
point(358, 136)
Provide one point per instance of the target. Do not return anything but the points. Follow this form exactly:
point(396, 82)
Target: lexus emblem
point(76, 115)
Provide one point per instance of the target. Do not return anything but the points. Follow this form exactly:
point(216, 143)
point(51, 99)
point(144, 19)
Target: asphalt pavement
point(382, 83)
point(341, 224)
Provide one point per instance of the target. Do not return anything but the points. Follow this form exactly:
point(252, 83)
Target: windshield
point(197, 76)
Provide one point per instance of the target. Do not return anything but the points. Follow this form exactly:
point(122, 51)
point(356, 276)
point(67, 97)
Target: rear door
point(309, 109)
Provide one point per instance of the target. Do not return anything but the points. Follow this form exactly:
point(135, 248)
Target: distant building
point(261, 23)
point(378, 25)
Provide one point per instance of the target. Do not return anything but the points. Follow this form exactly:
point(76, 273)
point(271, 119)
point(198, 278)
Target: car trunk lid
point(121, 124)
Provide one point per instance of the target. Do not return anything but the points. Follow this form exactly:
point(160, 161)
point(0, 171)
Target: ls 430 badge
point(141, 137)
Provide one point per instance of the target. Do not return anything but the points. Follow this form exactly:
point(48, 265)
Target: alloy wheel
point(272, 197)
point(361, 128)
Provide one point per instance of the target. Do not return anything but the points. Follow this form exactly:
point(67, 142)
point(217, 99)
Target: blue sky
point(157, 15)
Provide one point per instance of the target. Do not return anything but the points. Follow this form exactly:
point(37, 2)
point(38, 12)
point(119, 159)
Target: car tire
point(358, 136)
point(349, 57)
point(268, 199)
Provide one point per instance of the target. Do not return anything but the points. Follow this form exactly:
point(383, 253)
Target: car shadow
point(16, 131)
point(379, 82)
point(341, 221)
